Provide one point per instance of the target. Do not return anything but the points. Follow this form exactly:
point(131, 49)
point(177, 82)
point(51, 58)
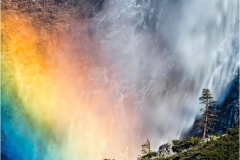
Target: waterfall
point(169, 51)
point(94, 79)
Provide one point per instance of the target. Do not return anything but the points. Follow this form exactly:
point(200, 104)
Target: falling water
point(132, 70)
point(169, 51)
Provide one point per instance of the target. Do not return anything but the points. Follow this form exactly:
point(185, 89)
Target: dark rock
point(228, 111)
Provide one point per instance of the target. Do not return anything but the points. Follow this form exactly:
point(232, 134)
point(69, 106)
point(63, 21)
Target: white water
point(168, 51)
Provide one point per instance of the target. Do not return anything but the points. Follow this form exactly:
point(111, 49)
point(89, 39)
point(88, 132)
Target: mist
point(169, 51)
point(113, 74)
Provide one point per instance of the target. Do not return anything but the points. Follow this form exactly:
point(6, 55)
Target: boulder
point(165, 150)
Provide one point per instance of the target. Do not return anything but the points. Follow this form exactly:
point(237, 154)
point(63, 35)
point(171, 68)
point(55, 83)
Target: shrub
point(149, 155)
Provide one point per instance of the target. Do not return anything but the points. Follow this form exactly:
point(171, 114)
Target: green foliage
point(206, 96)
point(217, 134)
point(218, 148)
point(233, 131)
point(146, 151)
point(187, 143)
point(146, 148)
point(212, 137)
point(226, 147)
point(149, 155)
point(208, 114)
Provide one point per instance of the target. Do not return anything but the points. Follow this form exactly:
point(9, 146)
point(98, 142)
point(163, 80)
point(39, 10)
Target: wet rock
point(229, 111)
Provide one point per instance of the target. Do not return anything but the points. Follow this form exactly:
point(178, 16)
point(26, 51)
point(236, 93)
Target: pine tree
point(146, 148)
point(208, 114)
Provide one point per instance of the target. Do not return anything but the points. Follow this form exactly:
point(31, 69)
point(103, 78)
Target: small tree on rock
point(208, 114)
point(146, 148)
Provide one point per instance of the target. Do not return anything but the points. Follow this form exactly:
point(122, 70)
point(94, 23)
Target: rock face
point(229, 111)
point(165, 150)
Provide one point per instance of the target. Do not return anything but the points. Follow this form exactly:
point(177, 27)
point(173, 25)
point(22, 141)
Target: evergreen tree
point(208, 115)
point(146, 148)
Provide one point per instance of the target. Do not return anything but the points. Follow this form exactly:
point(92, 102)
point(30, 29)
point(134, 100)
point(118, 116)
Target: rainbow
point(48, 111)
